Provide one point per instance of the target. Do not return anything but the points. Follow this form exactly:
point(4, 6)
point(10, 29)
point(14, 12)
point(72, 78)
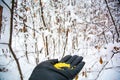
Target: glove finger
point(53, 61)
point(76, 61)
point(66, 58)
point(78, 68)
point(72, 59)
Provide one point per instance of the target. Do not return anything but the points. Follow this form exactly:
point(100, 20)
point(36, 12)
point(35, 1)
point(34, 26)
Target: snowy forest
point(32, 31)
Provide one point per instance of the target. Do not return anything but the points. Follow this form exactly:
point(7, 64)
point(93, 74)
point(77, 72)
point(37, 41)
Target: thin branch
point(7, 5)
point(91, 71)
point(27, 25)
point(47, 51)
point(112, 19)
point(4, 43)
point(10, 42)
point(1, 10)
point(112, 67)
point(42, 16)
point(105, 37)
point(17, 62)
point(37, 52)
point(26, 52)
point(105, 65)
point(66, 42)
point(54, 47)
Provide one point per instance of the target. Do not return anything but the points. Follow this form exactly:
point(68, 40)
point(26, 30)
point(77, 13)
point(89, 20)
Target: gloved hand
point(47, 71)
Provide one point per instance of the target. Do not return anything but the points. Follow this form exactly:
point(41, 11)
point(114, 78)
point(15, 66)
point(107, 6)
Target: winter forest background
point(32, 31)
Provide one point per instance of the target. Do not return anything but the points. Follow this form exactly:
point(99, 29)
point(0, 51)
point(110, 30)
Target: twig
point(54, 47)
point(112, 19)
point(37, 52)
point(105, 37)
point(43, 40)
point(112, 67)
point(4, 43)
point(66, 42)
point(90, 71)
point(1, 10)
point(26, 24)
point(7, 5)
point(42, 16)
point(105, 64)
point(47, 46)
point(17, 62)
point(26, 52)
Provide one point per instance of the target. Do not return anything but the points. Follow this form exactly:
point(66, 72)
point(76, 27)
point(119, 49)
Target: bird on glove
point(65, 69)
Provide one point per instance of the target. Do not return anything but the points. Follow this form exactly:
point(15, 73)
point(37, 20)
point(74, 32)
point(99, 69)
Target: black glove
point(47, 71)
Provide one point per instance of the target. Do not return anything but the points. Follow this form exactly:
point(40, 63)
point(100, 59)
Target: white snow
point(73, 27)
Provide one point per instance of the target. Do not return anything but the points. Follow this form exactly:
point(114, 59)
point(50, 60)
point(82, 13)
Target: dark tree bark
point(10, 41)
point(42, 14)
point(10, 37)
point(46, 46)
point(1, 9)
